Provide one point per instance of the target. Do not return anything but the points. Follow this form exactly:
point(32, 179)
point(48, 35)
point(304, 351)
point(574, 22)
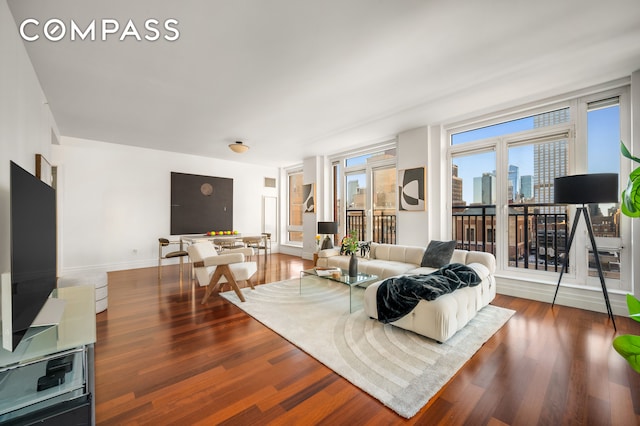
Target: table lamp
point(327, 228)
point(586, 189)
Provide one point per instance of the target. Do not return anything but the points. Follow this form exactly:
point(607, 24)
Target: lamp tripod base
point(582, 211)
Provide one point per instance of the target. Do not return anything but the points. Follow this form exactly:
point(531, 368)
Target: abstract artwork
point(411, 189)
point(308, 195)
point(200, 204)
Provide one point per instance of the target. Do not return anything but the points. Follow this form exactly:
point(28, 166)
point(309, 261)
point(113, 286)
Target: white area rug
point(401, 369)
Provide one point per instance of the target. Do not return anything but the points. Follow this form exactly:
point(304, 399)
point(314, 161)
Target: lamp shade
point(586, 189)
point(327, 227)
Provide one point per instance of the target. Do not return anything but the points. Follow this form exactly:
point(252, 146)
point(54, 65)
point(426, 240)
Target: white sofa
point(438, 319)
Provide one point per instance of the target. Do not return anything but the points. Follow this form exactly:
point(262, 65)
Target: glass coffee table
point(341, 276)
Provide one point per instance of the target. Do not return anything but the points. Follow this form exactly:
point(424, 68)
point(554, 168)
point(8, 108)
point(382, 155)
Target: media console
point(49, 378)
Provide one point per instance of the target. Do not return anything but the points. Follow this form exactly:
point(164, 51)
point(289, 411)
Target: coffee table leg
point(350, 299)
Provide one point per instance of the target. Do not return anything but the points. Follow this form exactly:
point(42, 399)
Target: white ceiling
point(294, 78)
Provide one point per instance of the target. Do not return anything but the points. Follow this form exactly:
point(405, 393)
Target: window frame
point(624, 241)
point(340, 162)
point(292, 228)
point(577, 163)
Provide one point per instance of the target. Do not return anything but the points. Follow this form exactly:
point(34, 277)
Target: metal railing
point(537, 233)
point(384, 226)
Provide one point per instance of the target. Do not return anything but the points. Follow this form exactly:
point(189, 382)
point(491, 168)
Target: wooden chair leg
point(222, 270)
point(213, 283)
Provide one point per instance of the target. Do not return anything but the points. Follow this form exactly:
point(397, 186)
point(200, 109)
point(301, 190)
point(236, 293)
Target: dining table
point(224, 240)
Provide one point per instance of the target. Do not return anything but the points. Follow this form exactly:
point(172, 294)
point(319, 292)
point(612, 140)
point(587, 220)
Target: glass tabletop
point(343, 278)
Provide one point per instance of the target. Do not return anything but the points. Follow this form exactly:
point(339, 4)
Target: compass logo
point(103, 29)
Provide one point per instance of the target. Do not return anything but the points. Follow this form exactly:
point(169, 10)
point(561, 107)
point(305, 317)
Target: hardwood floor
point(164, 358)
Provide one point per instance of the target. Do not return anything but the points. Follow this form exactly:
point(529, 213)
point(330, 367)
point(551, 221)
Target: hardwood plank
point(164, 358)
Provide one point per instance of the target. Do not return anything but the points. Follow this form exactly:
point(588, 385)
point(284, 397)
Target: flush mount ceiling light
point(238, 147)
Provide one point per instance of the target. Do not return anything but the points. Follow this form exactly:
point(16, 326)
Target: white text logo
point(55, 30)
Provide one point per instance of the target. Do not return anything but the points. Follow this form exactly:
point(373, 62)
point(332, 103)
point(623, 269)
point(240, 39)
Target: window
point(546, 119)
point(502, 188)
point(603, 153)
point(537, 227)
point(533, 152)
point(473, 200)
point(370, 195)
point(294, 225)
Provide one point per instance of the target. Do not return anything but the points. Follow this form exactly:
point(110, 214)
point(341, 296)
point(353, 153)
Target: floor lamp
point(586, 189)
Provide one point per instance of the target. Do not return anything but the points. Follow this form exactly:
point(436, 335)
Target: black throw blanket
point(397, 296)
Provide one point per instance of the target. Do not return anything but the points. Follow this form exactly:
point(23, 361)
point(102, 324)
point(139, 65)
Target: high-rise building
point(484, 189)
point(526, 187)
point(514, 172)
point(550, 159)
point(477, 190)
point(456, 187)
point(353, 188)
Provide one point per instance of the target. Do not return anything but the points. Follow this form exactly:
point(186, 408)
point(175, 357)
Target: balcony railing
point(384, 226)
point(537, 233)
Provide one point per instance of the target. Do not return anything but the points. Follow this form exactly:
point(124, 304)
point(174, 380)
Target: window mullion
point(502, 223)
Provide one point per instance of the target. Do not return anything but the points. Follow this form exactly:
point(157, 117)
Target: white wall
point(413, 147)
point(312, 174)
point(114, 200)
point(26, 123)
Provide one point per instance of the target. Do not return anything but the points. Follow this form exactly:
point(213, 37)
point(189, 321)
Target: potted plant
point(630, 204)
point(628, 345)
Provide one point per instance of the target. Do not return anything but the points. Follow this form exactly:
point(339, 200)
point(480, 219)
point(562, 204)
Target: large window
point(474, 199)
point(370, 195)
point(603, 153)
point(296, 199)
point(534, 151)
point(536, 227)
point(502, 187)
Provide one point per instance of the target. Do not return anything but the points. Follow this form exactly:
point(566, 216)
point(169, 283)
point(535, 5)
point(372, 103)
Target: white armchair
point(213, 269)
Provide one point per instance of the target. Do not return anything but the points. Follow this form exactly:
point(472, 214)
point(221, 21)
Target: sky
point(603, 129)
point(603, 148)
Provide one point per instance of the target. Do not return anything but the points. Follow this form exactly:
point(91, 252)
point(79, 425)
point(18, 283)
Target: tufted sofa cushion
point(396, 253)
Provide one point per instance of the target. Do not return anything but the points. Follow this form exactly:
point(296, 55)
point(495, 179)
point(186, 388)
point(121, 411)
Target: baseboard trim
point(590, 299)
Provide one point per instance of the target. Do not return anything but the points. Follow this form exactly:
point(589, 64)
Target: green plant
point(350, 243)
point(630, 205)
point(628, 345)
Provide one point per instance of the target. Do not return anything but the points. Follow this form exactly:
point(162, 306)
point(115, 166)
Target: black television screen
point(33, 249)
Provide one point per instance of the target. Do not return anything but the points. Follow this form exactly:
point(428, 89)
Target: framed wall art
point(200, 204)
point(45, 171)
point(412, 189)
point(308, 195)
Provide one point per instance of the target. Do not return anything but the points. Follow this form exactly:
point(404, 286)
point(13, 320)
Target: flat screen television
point(33, 254)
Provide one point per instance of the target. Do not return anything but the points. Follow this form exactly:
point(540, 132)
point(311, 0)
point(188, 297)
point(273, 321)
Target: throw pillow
point(438, 254)
point(365, 249)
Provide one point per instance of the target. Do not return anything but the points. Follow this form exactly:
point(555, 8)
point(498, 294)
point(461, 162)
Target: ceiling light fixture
point(238, 147)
